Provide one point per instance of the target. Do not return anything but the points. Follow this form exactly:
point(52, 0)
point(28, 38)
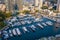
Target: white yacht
point(5, 34)
point(57, 35)
point(25, 29)
point(44, 24)
point(33, 27)
point(22, 22)
point(29, 22)
point(18, 31)
point(49, 23)
point(14, 32)
point(40, 25)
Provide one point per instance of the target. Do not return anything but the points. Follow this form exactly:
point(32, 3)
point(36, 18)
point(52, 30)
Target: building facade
point(11, 3)
point(58, 5)
point(20, 4)
point(38, 3)
point(2, 7)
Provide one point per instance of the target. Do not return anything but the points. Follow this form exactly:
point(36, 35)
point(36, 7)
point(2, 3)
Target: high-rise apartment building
point(36, 2)
point(11, 3)
point(20, 4)
point(58, 5)
point(6, 3)
point(40, 3)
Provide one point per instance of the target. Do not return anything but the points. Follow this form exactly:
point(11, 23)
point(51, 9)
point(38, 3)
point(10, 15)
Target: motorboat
point(18, 31)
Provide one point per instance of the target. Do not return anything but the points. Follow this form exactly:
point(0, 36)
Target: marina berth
point(18, 31)
point(10, 33)
point(25, 29)
point(40, 25)
point(14, 32)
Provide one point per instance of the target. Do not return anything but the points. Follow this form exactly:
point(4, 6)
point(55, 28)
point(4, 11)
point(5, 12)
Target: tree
point(2, 24)
point(51, 9)
point(55, 11)
point(44, 7)
point(26, 11)
point(2, 16)
point(36, 10)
